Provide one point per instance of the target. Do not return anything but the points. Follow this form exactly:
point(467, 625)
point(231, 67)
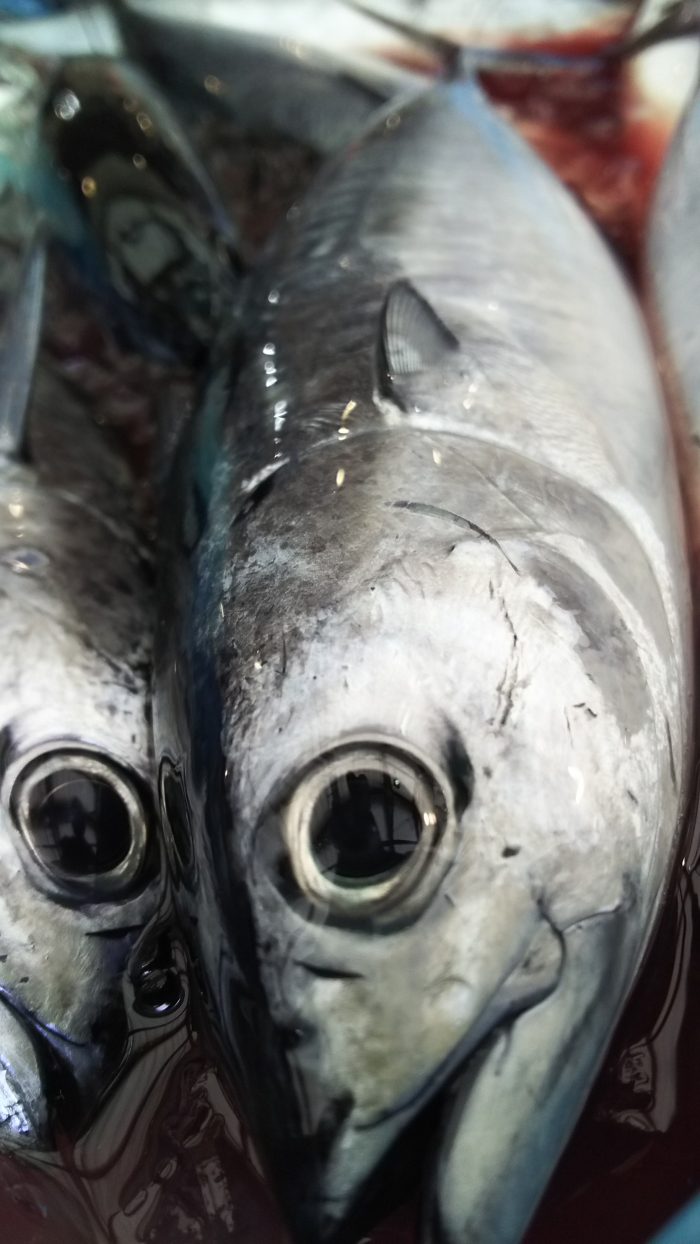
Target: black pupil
point(365, 827)
point(80, 825)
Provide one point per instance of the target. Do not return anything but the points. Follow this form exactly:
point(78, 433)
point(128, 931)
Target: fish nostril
point(363, 826)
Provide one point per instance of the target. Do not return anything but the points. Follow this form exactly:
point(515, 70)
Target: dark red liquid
point(166, 1161)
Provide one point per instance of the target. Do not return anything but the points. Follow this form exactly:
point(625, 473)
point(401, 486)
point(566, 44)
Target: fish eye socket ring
point(116, 802)
point(420, 799)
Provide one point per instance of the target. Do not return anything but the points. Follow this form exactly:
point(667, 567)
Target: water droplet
point(269, 347)
point(352, 405)
point(16, 509)
point(89, 187)
point(437, 457)
point(270, 380)
point(343, 433)
point(66, 106)
point(139, 161)
point(273, 296)
point(213, 84)
point(340, 478)
point(25, 560)
point(144, 121)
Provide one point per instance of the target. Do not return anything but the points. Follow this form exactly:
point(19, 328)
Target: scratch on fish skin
point(327, 972)
point(435, 511)
point(506, 687)
point(671, 759)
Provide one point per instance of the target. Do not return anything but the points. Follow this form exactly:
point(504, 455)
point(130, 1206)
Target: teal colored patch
point(38, 182)
point(683, 1229)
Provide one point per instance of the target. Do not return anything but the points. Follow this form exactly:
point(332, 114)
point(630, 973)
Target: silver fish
point(76, 842)
point(423, 677)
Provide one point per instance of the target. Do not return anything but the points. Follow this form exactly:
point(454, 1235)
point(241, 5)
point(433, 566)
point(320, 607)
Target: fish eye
point(84, 823)
point(363, 826)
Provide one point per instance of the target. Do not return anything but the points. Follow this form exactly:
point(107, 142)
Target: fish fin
point(412, 339)
point(20, 334)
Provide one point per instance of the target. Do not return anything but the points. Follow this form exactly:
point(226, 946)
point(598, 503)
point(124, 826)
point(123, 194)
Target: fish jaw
point(23, 1105)
point(533, 1079)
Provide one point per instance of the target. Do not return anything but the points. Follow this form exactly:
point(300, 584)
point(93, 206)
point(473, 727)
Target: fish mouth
point(483, 1130)
point(359, 1168)
point(23, 1106)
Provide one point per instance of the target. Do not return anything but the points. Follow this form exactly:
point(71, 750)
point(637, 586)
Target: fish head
point(77, 875)
point(424, 768)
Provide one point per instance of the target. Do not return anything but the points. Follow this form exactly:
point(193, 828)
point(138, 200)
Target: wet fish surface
point(423, 677)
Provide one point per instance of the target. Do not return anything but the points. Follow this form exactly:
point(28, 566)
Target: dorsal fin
point(20, 332)
point(412, 338)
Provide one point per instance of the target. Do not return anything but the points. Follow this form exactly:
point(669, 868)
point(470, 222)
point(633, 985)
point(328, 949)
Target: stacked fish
point(386, 789)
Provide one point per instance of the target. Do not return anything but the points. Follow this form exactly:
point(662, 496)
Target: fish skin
point(432, 505)
point(160, 247)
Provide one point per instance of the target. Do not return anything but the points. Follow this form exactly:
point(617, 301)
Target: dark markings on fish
point(126, 930)
point(435, 511)
point(460, 770)
point(5, 747)
point(584, 705)
point(671, 761)
point(487, 771)
point(256, 497)
point(506, 687)
point(449, 899)
point(509, 852)
point(568, 725)
point(412, 338)
point(631, 795)
point(328, 973)
point(3, 958)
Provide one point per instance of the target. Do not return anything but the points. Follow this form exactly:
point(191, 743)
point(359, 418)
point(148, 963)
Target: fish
point(423, 678)
point(160, 249)
point(78, 844)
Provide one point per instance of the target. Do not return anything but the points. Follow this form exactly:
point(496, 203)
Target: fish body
point(422, 677)
point(76, 834)
point(76, 819)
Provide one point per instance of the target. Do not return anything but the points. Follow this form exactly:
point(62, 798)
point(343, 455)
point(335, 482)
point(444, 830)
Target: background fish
point(162, 251)
point(76, 821)
point(423, 677)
